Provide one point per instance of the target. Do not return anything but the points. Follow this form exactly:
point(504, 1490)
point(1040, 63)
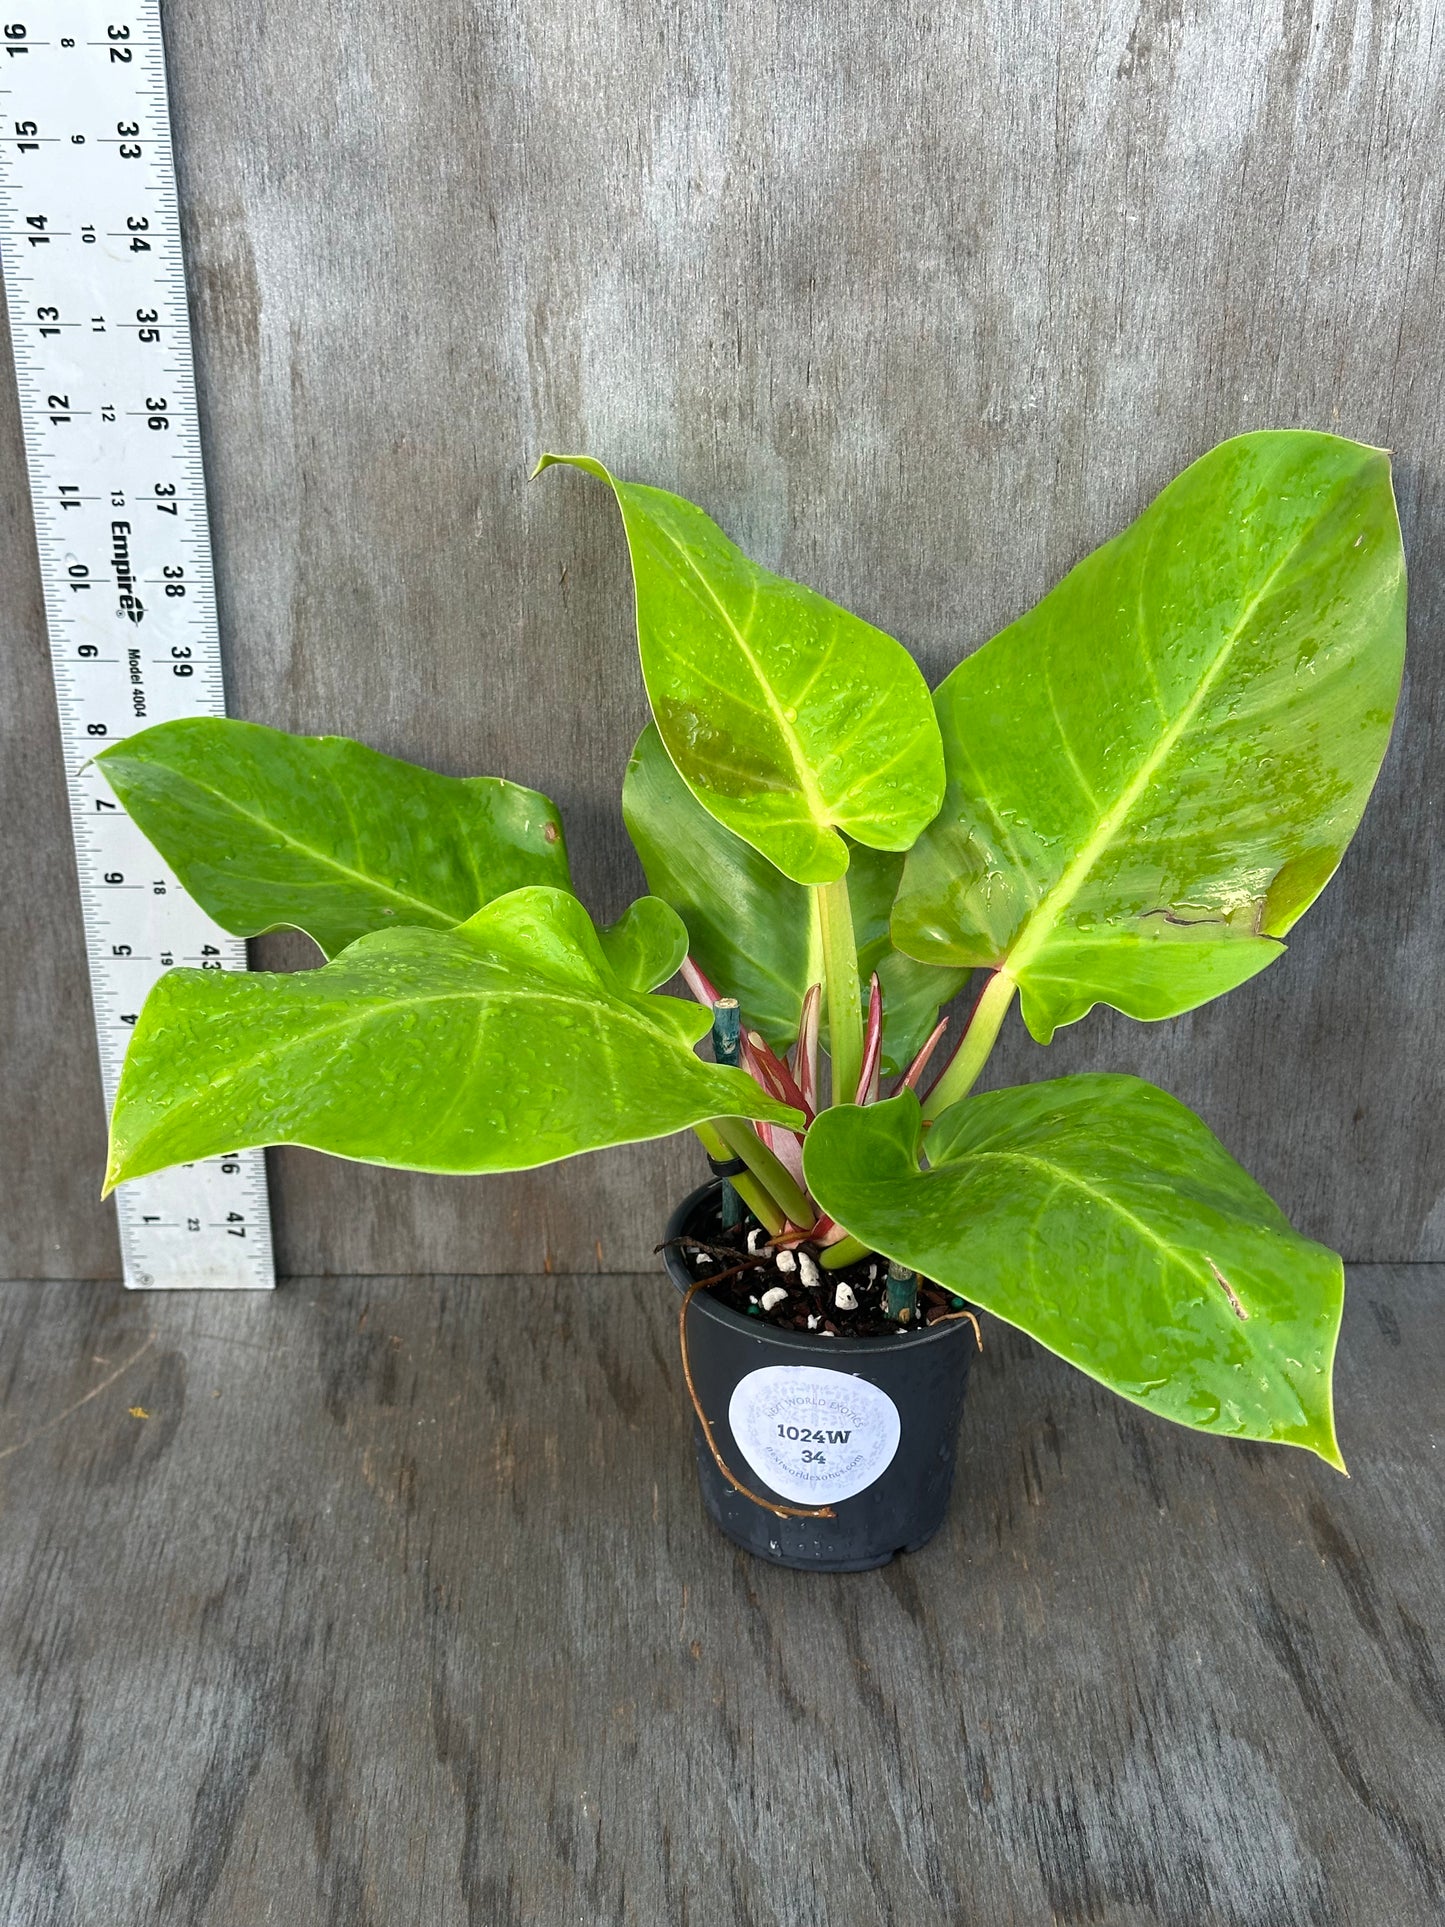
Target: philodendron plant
point(1127, 797)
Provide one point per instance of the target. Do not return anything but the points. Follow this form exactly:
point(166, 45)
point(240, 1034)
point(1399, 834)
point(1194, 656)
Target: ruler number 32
point(114, 42)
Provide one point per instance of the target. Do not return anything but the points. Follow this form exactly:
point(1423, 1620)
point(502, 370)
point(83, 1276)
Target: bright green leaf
point(268, 830)
point(1101, 1215)
point(752, 930)
point(1154, 773)
point(790, 720)
point(646, 945)
point(507, 1042)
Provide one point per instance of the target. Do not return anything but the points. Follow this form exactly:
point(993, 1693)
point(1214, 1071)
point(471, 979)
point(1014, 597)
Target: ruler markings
point(95, 281)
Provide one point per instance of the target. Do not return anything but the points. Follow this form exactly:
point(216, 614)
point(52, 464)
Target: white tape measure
point(97, 295)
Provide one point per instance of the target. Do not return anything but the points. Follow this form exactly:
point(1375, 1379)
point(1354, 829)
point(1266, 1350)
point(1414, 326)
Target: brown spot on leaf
point(1228, 1289)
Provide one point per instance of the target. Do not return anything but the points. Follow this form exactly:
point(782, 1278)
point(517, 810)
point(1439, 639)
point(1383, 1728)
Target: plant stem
point(763, 1207)
point(834, 1257)
point(770, 1171)
point(960, 1074)
point(845, 1003)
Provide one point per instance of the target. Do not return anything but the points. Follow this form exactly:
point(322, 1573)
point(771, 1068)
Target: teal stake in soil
point(902, 1292)
point(727, 1028)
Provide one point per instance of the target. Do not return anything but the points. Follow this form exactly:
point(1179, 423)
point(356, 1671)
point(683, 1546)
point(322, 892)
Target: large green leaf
point(1102, 1216)
point(317, 833)
point(754, 931)
point(1155, 772)
point(789, 719)
point(507, 1042)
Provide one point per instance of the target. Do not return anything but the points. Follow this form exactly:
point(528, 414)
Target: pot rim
point(818, 1345)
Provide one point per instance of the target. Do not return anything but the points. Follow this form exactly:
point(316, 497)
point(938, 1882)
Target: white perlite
point(845, 1298)
point(808, 1271)
point(785, 1261)
point(754, 1238)
point(775, 1295)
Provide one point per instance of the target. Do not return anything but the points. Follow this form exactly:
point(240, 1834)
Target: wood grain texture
point(922, 303)
point(398, 1606)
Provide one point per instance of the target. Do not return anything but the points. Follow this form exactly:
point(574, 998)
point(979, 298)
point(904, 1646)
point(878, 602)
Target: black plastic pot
point(865, 1426)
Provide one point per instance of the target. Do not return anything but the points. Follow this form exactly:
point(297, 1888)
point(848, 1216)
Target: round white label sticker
point(813, 1435)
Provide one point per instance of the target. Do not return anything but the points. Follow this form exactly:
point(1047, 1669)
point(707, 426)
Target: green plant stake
point(726, 1040)
point(902, 1291)
point(1129, 797)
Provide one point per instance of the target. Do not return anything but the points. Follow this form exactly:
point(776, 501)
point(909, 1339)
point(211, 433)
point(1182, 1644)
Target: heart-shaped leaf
point(646, 945)
point(507, 1042)
point(1101, 1215)
point(790, 720)
point(754, 931)
point(1155, 772)
point(267, 830)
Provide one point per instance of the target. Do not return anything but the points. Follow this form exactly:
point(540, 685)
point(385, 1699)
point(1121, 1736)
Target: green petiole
point(961, 1074)
point(845, 1002)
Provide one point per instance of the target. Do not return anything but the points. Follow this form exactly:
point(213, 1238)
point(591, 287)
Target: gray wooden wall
point(922, 302)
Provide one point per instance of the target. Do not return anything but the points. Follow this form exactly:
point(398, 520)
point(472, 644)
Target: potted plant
point(1127, 797)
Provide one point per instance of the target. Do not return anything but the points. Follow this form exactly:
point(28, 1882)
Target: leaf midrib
point(822, 817)
point(1049, 910)
point(1063, 1175)
point(357, 1020)
point(371, 883)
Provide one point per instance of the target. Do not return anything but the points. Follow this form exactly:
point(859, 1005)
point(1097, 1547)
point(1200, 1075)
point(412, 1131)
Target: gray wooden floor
point(389, 1601)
